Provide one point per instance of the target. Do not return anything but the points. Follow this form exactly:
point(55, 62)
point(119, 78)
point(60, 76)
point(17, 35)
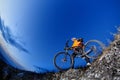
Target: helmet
point(80, 39)
point(73, 39)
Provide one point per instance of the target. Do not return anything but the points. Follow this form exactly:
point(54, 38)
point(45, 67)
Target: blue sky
point(44, 26)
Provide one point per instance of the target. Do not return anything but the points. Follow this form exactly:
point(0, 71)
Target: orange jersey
point(76, 43)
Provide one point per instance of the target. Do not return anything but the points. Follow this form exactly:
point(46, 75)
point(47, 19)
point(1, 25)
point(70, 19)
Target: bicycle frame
point(66, 57)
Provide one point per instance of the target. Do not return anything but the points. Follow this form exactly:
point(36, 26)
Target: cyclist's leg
point(73, 55)
point(87, 61)
point(79, 50)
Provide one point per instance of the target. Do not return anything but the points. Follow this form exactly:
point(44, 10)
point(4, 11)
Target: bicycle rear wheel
point(63, 61)
point(93, 49)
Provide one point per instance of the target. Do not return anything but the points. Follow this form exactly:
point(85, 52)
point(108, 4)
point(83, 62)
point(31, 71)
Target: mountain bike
point(64, 60)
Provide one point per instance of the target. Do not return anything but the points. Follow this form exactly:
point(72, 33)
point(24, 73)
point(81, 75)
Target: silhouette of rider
point(77, 47)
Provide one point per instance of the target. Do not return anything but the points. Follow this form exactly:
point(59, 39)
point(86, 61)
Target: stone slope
point(106, 67)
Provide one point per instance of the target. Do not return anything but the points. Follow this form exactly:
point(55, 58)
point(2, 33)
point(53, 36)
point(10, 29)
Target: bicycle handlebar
point(67, 46)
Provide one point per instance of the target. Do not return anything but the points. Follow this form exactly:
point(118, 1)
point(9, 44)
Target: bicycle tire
point(96, 53)
point(57, 64)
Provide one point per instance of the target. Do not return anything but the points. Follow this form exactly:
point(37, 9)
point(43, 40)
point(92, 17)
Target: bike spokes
point(63, 61)
point(93, 49)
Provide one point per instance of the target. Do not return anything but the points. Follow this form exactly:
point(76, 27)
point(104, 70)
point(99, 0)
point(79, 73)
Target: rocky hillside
point(106, 67)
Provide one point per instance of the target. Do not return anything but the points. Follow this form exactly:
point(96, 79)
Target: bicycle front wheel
point(63, 61)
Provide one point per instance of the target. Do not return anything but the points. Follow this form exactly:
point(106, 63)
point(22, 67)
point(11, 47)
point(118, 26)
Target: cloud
point(40, 69)
point(9, 38)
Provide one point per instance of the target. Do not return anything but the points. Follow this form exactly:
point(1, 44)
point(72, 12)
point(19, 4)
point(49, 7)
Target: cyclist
point(78, 46)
